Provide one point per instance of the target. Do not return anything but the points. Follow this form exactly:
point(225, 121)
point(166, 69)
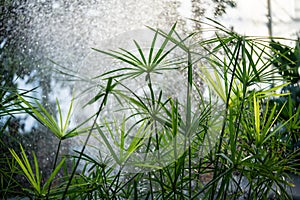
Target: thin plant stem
point(154, 126)
point(214, 186)
point(104, 100)
point(135, 194)
point(54, 166)
point(188, 118)
point(238, 120)
point(116, 179)
point(131, 179)
point(150, 183)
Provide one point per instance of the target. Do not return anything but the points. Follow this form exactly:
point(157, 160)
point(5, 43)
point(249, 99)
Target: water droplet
point(55, 5)
point(3, 43)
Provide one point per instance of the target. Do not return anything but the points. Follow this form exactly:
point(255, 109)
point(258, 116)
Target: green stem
point(55, 161)
point(188, 118)
point(154, 127)
point(151, 188)
point(104, 100)
point(218, 150)
point(116, 179)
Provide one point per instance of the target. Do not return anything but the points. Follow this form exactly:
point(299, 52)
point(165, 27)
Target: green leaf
point(256, 111)
point(58, 127)
point(34, 179)
point(53, 174)
point(109, 146)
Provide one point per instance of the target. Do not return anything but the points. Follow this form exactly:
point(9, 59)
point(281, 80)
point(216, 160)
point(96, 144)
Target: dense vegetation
point(234, 135)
